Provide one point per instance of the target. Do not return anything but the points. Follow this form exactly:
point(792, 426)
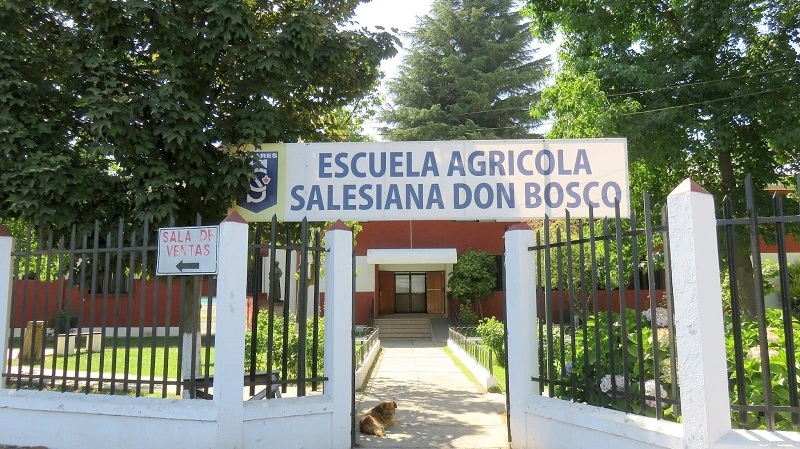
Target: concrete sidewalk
point(437, 406)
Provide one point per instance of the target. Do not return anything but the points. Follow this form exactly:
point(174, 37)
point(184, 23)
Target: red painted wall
point(491, 307)
point(462, 235)
point(38, 301)
point(560, 302)
point(364, 307)
point(148, 301)
point(792, 246)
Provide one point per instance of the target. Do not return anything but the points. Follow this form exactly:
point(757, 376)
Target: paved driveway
point(437, 406)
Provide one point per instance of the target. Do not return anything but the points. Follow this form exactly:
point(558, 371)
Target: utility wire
point(697, 83)
point(650, 90)
point(699, 103)
point(648, 111)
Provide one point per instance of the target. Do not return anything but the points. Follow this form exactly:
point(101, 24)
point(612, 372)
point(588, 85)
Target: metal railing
point(88, 314)
point(467, 339)
point(366, 340)
point(286, 334)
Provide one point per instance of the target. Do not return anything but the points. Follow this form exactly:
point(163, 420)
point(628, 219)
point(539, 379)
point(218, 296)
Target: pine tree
point(470, 74)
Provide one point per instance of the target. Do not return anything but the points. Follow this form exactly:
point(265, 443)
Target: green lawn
point(158, 355)
point(461, 366)
point(498, 371)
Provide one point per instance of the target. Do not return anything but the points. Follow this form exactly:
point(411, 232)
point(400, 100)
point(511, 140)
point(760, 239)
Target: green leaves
point(608, 345)
point(120, 109)
point(493, 334)
point(754, 389)
point(582, 109)
point(292, 344)
point(699, 89)
point(474, 276)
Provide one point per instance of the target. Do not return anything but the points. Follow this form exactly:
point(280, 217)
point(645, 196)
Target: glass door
point(410, 293)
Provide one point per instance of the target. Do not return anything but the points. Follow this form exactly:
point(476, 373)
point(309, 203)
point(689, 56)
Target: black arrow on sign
point(188, 265)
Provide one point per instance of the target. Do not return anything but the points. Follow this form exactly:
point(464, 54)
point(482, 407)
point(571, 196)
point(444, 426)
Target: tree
point(707, 90)
point(474, 277)
point(128, 109)
point(133, 110)
point(582, 109)
point(469, 74)
point(347, 124)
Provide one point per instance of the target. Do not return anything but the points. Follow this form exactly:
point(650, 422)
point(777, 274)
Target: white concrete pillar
point(6, 244)
point(700, 334)
point(338, 330)
point(523, 350)
point(229, 340)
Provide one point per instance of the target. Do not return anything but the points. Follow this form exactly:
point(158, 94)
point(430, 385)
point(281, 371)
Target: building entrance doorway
point(409, 293)
point(412, 292)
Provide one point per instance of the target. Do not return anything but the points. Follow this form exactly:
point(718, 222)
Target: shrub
point(595, 348)
point(753, 385)
point(474, 276)
point(64, 320)
point(277, 348)
point(493, 334)
point(794, 287)
point(560, 343)
point(769, 271)
point(467, 316)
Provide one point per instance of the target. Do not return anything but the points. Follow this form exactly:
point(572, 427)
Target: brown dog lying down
point(376, 420)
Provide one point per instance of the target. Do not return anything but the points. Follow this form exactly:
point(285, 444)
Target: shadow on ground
point(437, 406)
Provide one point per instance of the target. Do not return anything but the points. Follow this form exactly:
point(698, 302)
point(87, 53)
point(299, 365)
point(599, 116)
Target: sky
point(400, 14)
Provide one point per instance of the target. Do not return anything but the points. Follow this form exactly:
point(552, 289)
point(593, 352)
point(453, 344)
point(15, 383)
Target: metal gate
point(284, 341)
point(606, 334)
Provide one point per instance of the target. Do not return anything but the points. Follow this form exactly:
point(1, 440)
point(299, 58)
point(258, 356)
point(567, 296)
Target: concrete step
point(404, 327)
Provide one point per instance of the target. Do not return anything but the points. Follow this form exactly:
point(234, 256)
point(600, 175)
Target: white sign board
point(504, 180)
point(188, 250)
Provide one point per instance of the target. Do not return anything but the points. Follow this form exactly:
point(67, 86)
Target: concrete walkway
point(437, 406)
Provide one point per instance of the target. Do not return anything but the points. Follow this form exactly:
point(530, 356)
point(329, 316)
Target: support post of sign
point(521, 326)
point(189, 251)
point(338, 330)
point(231, 307)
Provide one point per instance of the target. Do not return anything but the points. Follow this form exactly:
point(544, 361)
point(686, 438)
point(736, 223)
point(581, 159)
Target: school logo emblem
point(263, 192)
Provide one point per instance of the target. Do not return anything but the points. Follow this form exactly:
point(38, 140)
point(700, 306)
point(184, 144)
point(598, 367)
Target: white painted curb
point(484, 377)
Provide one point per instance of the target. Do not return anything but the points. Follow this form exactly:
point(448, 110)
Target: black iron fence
point(606, 334)
point(761, 295)
point(605, 313)
point(88, 314)
point(286, 333)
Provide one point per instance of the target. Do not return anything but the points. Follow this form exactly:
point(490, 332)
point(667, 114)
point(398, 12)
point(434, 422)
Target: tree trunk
point(741, 244)
point(190, 322)
point(745, 281)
